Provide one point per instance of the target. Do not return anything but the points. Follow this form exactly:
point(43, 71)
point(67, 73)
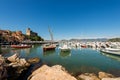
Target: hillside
point(7, 36)
point(114, 40)
point(89, 40)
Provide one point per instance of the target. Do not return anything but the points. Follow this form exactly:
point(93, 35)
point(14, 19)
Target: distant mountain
point(90, 40)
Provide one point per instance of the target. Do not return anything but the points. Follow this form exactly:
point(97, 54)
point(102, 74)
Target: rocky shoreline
point(11, 68)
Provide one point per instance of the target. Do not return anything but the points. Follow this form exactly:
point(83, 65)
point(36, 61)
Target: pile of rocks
point(57, 72)
point(100, 76)
point(12, 67)
point(15, 61)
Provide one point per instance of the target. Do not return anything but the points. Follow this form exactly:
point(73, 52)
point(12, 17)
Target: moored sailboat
point(50, 46)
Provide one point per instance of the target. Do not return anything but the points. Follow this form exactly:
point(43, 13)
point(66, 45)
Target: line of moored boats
point(106, 47)
point(65, 46)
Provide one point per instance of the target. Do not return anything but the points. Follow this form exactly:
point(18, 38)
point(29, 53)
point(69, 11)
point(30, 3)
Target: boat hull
point(110, 52)
point(19, 46)
point(49, 48)
point(65, 50)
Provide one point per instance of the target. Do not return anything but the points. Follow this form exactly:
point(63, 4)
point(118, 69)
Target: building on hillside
point(30, 32)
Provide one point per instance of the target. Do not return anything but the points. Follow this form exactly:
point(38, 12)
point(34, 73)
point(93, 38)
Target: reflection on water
point(89, 69)
point(47, 53)
point(65, 54)
point(112, 56)
point(77, 60)
point(23, 52)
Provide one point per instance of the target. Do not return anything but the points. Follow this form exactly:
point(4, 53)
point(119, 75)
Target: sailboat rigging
point(51, 35)
point(50, 46)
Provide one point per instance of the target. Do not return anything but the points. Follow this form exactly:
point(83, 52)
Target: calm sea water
point(76, 61)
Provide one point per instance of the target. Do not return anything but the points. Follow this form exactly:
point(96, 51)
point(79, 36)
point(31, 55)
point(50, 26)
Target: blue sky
point(66, 18)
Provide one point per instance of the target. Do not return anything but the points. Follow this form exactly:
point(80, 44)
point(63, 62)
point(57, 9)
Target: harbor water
point(76, 61)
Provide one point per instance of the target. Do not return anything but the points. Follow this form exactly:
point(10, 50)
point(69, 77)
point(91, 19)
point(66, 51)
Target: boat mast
point(51, 35)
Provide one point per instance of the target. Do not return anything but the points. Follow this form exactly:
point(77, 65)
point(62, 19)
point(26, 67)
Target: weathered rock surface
point(17, 62)
point(3, 71)
point(12, 36)
point(111, 78)
point(12, 67)
point(56, 72)
point(13, 58)
point(105, 75)
point(88, 76)
point(101, 76)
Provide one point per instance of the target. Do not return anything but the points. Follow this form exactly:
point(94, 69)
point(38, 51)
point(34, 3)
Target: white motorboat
point(113, 51)
point(65, 48)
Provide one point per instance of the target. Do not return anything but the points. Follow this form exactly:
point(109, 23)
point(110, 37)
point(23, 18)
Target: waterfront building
point(30, 32)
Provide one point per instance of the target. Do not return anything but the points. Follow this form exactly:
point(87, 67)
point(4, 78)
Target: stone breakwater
point(12, 67)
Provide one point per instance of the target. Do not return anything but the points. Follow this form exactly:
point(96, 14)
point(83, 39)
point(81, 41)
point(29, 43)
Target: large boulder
point(56, 72)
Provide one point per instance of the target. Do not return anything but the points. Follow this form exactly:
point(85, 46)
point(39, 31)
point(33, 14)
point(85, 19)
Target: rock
point(13, 69)
point(3, 71)
point(105, 75)
point(16, 61)
point(111, 78)
point(50, 73)
point(2, 60)
point(88, 76)
point(13, 58)
point(16, 66)
point(19, 33)
point(20, 63)
point(33, 60)
point(23, 62)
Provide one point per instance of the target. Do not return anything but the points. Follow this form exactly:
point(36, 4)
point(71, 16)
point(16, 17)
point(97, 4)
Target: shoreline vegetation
point(15, 68)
